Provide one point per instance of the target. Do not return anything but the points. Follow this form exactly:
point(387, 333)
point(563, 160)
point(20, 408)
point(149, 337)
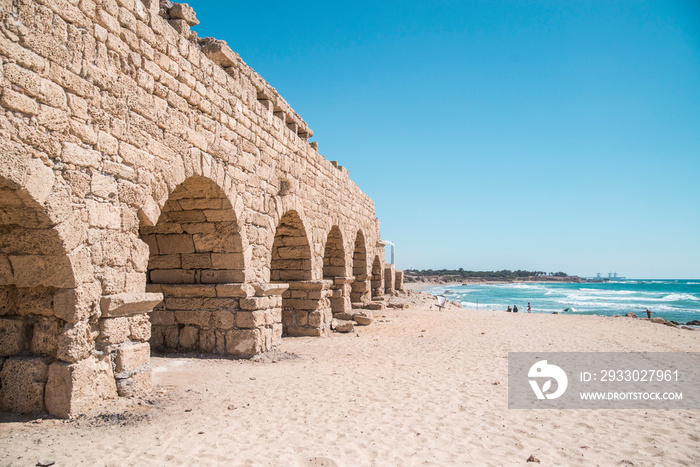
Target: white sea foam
point(676, 297)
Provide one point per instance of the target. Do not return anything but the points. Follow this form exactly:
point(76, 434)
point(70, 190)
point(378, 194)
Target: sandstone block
point(22, 383)
point(33, 301)
point(74, 154)
point(189, 290)
point(345, 326)
point(75, 342)
point(189, 335)
point(250, 319)
point(238, 290)
point(184, 303)
point(264, 289)
point(165, 262)
point(139, 328)
point(196, 261)
point(114, 330)
point(172, 276)
point(45, 337)
point(50, 271)
point(171, 336)
point(221, 276)
point(316, 319)
point(185, 12)
point(255, 303)
point(131, 357)
point(103, 215)
point(220, 53)
point(244, 342)
point(126, 304)
point(72, 389)
point(19, 102)
point(221, 303)
point(223, 319)
point(138, 384)
point(162, 317)
point(157, 341)
point(73, 305)
point(181, 26)
point(227, 261)
point(193, 317)
point(177, 243)
point(12, 337)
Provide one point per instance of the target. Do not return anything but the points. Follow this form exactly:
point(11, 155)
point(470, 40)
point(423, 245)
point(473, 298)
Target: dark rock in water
point(675, 323)
point(532, 458)
point(631, 315)
point(695, 322)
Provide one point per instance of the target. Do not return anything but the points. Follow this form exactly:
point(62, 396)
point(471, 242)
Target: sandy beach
point(417, 387)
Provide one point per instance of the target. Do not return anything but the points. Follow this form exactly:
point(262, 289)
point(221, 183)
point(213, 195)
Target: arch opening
point(291, 263)
point(334, 255)
point(196, 261)
point(334, 269)
point(35, 270)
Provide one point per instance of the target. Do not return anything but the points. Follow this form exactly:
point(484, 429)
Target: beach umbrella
point(570, 310)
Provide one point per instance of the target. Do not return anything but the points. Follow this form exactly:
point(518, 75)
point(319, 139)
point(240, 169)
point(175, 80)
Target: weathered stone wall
point(139, 163)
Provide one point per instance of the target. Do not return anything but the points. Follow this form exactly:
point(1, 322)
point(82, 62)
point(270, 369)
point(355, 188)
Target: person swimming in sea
point(529, 308)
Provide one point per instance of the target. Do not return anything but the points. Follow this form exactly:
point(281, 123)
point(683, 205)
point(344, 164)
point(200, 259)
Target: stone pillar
point(340, 300)
point(125, 330)
point(398, 282)
point(359, 293)
point(306, 308)
point(389, 278)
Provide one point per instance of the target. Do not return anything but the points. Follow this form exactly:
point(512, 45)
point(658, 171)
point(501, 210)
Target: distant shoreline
point(456, 280)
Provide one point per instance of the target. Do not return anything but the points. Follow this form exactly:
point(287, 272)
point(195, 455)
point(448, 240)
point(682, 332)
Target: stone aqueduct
point(156, 192)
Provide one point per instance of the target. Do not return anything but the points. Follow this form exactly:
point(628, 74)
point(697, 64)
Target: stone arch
point(291, 251)
point(291, 264)
point(377, 278)
point(47, 303)
point(197, 262)
point(334, 255)
point(360, 287)
point(335, 270)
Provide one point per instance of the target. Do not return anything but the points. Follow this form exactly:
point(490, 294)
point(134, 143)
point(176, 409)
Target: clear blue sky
point(543, 135)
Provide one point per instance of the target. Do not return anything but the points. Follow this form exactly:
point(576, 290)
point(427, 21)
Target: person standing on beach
point(649, 313)
point(529, 309)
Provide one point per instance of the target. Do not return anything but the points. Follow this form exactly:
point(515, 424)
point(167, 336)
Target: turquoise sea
point(673, 300)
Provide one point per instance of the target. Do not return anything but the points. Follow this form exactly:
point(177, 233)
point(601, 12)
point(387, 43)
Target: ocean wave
point(678, 297)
